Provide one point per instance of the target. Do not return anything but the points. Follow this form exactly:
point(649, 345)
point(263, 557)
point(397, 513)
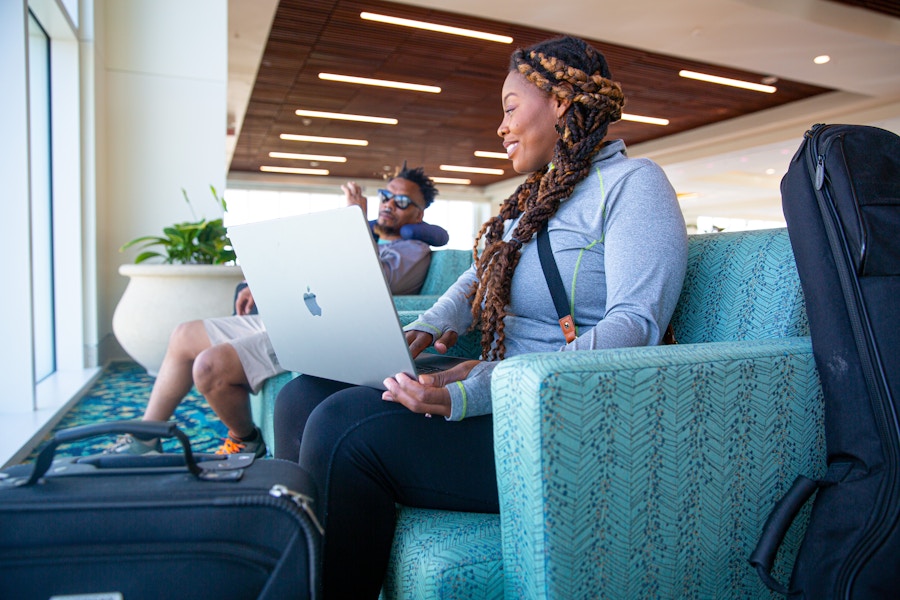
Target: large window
point(44, 358)
point(41, 200)
point(460, 218)
point(40, 117)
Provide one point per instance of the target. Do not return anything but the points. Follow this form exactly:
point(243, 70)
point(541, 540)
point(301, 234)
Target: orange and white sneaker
point(234, 445)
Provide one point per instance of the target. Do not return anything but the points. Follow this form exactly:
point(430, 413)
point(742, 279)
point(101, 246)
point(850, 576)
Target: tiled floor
point(119, 393)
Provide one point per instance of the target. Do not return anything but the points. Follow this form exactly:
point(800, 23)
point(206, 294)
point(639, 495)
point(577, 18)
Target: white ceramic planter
point(159, 297)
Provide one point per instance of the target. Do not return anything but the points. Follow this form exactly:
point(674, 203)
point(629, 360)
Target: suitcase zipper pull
point(820, 171)
point(301, 500)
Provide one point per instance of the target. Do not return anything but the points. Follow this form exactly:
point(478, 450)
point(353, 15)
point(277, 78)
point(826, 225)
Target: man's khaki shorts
point(247, 335)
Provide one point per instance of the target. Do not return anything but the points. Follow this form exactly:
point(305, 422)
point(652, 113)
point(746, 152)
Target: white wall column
point(164, 123)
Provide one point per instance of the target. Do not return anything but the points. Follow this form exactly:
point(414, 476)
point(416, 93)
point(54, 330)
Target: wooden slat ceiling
point(887, 7)
point(309, 37)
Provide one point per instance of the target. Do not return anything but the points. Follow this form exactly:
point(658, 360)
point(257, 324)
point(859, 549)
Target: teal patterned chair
point(642, 472)
point(446, 267)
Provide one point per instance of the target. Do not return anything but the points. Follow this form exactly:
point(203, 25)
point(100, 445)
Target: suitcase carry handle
point(160, 429)
point(777, 525)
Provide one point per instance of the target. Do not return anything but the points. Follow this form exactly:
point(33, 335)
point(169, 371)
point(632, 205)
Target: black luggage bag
point(841, 200)
point(157, 526)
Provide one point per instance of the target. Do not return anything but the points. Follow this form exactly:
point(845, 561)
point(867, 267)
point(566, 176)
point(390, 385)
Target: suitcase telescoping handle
point(160, 429)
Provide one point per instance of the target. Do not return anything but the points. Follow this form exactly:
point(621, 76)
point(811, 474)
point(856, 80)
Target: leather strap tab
point(567, 324)
point(669, 336)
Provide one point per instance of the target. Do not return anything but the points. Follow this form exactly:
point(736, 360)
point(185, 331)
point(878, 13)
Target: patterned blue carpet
point(121, 393)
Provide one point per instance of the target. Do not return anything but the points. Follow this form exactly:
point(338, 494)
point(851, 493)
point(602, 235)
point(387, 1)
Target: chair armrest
point(649, 472)
point(415, 302)
point(468, 345)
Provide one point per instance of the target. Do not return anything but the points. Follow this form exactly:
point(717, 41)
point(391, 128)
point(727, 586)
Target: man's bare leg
point(219, 376)
point(175, 378)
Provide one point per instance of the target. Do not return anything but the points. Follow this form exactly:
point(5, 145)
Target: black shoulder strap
point(554, 282)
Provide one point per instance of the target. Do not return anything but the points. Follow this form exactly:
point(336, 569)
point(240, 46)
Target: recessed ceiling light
point(491, 37)
point(345, 117)
point(400, 85)
point(642, 119)
point(486, 154)
point(822, 59)
point(451, 180)
point(747, 85)
point(293, 170)
point(319, 157)
point(481, 170)
point(323, 140)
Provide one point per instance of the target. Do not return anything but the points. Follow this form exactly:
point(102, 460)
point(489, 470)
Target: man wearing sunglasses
point(228, 358)
point(402, 205)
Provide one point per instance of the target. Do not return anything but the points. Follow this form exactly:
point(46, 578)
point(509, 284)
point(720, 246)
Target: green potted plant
point(187, 273)
point(198, 242)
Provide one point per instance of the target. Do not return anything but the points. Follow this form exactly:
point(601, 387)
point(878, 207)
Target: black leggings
point(366, 455)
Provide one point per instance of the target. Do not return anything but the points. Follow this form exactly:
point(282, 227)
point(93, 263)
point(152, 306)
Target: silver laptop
point(318, 284)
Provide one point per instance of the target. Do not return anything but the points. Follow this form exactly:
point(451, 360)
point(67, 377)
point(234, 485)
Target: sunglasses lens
point(400, 201)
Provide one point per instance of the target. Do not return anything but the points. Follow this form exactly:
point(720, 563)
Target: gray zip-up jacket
point(620, 243)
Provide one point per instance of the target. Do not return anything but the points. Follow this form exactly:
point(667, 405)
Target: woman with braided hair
point(619, 240)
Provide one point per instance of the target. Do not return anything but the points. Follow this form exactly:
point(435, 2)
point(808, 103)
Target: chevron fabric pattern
point(649, 472)
point(446, 267)
point(441, 554)
point(417, 304)
point(262, 405)
point(740, 286)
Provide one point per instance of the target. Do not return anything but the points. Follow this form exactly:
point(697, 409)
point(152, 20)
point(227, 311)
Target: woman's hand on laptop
point(428, 394)
point(418, 341)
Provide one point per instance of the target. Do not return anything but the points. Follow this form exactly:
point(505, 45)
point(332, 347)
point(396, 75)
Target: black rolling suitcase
point(841, 200)
point(151, 527)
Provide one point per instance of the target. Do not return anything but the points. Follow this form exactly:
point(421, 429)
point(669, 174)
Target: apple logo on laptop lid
point(309, 298)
